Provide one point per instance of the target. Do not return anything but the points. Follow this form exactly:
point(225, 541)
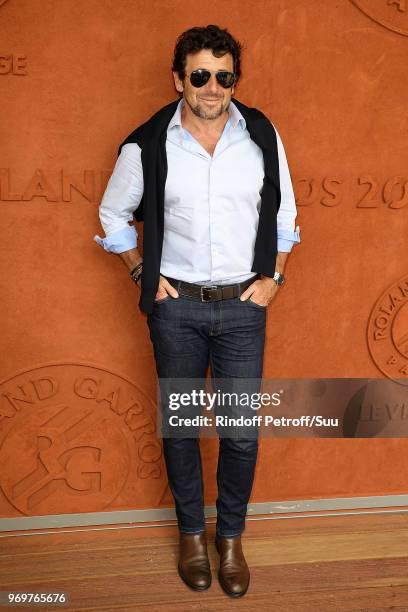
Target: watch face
point(279, 278)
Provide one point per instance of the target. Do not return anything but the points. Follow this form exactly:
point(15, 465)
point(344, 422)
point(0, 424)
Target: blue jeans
point(187, 336)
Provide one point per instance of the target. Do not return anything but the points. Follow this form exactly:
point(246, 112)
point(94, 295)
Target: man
point(209, 177)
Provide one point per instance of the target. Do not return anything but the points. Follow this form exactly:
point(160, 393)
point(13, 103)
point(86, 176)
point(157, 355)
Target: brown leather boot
point(194, 566)
point(233, 574)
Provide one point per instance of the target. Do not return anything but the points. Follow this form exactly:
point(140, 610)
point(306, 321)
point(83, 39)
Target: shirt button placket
point(210, 217)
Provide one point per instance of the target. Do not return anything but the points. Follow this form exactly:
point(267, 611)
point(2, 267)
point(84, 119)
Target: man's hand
point(261, 291)
point(165, 289)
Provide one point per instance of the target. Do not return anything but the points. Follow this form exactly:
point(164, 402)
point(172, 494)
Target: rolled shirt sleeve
point(121, 198)
point(117, 242)
point(288, 234)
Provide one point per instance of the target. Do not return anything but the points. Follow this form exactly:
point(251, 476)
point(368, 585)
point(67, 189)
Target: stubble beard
point(199, 111)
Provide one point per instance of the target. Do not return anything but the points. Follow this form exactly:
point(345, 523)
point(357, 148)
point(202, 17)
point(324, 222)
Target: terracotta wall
point(77, 405)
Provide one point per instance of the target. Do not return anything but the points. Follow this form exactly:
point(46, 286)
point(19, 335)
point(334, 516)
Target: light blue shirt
point(211, 203)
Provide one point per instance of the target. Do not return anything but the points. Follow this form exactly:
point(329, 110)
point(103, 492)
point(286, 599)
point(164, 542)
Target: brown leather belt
point(211, 293)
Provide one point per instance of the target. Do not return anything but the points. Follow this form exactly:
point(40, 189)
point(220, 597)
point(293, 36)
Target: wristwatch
point(278, 278)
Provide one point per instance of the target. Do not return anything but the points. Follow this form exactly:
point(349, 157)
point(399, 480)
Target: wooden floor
point(317, 564)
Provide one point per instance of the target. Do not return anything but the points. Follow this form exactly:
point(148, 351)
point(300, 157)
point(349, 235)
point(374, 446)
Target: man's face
point(210, 100)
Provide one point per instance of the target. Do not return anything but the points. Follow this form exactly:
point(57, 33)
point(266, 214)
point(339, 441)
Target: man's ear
point(178, 83)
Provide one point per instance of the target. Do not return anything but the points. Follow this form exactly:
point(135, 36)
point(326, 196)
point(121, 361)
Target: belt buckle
point(206, 288)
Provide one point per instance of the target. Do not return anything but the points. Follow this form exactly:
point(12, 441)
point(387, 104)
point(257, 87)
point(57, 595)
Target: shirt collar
point(176, 118)
point(235, 117)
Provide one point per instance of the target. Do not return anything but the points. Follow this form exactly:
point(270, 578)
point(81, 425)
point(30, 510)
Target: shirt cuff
point(119, 241)
point(287, 238)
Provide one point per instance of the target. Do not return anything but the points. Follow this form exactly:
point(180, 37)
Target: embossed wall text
point(11, 63)
point(364, 192)
point(56, 186)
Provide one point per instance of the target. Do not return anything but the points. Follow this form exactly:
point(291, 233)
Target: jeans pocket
point(255, 305)
point(161, 300)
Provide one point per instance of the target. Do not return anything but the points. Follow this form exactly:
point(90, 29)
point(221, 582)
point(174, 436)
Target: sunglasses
point(201, 76)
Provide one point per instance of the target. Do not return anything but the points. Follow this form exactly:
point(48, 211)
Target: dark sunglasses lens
point(199, 78)
point(225, 79)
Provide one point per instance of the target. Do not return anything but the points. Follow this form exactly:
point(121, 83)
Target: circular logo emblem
point(387, 332)
point(78, 438)
point(392, 14)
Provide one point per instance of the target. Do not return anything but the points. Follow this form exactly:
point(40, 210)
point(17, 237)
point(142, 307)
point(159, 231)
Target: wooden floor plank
point(317, 564)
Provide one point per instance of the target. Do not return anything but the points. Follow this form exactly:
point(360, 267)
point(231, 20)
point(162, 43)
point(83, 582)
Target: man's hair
point(211, 37)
